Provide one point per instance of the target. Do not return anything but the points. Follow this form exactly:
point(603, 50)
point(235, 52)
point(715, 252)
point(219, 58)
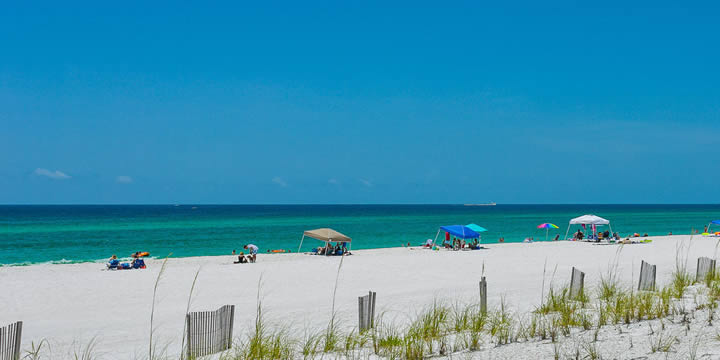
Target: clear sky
point(359, 102)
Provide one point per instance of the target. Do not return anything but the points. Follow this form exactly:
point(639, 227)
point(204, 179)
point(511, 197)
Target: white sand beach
point(71, 304)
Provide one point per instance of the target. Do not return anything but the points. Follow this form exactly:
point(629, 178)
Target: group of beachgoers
point(339, 249)
point(456, 244)
point(137, 262)
point(251, 257)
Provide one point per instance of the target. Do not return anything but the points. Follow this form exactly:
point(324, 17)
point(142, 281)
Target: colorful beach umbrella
point(476, 227)
point(547, 227)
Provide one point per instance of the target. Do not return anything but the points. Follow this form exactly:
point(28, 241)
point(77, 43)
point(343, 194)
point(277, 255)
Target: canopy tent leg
point(567, 232)
point(301, 241)
point(611, 230)
point(436, 235)
point(709, 225)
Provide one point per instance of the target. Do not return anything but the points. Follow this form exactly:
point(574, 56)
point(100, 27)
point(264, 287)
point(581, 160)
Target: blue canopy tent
point(459, 231)
point(716, 222)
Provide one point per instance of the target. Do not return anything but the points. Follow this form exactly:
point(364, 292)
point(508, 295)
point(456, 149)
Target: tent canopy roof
point(476, 228)
point(460, 231)
point(716, 222)
point(589, 220)
point(326, 234)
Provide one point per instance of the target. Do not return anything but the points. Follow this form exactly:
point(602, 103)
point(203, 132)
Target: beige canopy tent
point(326, 235)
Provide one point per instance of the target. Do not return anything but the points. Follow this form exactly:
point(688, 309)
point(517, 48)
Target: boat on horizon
point(485, 204)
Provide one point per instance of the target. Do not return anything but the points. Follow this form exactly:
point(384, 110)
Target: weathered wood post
point(647, 276)
point(705, 267)
point(577, 283)
point(10, 337)
point(366, 311)
point(483, 295)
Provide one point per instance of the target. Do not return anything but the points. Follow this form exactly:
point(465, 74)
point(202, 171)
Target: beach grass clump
point(501, 325)
point(591, 351)
point(310, 345)
point(681, 279)
point(662, 342)
point(36, 350)
point(386, 339)
point(461, 317)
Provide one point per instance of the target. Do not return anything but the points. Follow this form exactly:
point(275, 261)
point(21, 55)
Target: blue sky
point(359, 102)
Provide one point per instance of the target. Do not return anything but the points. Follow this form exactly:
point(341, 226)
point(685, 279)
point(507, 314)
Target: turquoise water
point(36, 234)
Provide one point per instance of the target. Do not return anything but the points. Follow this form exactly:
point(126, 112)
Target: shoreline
point(152, 257)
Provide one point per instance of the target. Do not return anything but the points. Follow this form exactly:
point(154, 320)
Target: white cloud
point(279, 181)
point(366, 182)
point(57, 174)
point(124, 179)
point(333, 181)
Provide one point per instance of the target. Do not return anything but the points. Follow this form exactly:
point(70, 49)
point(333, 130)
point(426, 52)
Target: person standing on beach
point(253, 250)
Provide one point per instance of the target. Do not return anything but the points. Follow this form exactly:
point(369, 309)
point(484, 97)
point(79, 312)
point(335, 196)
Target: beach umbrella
point(476, 227)
point(547, 227)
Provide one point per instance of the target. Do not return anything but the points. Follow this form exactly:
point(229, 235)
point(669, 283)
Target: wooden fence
point(577, 283)
point(705, 267)
point(647, 277)
point(10, 337)
point(366, 311)
point(209, 332)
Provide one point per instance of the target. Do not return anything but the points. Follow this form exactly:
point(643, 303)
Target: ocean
point(32, 234)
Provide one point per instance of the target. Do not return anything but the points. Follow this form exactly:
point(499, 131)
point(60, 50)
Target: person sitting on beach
point(241, 259)
point(501, 240)
point(253, 250)
point(113, 262)
point(428, 243)
point(138, 263)
point(233, 253)
point(344, 247)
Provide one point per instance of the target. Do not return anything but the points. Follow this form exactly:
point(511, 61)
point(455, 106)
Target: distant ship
point(486, 204)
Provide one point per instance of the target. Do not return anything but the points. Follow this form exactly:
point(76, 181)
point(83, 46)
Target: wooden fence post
point(647, 276)
point(705, 267)
point(577, 283)
point(483, 295)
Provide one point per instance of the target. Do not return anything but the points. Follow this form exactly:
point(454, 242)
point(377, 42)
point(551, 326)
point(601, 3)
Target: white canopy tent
point(588, 220)
point(325, 234)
